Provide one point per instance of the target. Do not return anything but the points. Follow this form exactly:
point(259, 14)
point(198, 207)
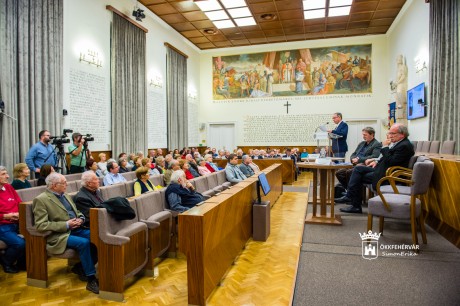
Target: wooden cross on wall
point(287, 107)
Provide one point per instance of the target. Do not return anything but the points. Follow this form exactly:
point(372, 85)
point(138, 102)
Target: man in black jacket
point(89, 195)
point(367, 149)
point(396, 151)
point(181, 194)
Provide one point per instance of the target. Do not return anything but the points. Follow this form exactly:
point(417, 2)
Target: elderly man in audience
point(54, 211)
point(214, 152)
point(396, 151)
point(239, 153)
point(245, 167)
point(180, 194)
point(41, 153)
point(9, 227)
point(20, 173)
point(209, 164)
point(256, 154)
point(232, 171)
point(253, 165)
point(89, 196)
point(193, 165)
point(367, 149)
point(173, 166)
point(159, 152)
point(113, 177)
point(196, 155)
point(168, 159)
point(152, 155)
point(221, 155)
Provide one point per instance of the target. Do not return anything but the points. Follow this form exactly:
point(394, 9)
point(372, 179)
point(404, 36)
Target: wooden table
point(213, 234)
point(326, 193)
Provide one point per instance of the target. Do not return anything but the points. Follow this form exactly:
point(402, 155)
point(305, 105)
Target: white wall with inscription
point(275, 121)
point(86, 87)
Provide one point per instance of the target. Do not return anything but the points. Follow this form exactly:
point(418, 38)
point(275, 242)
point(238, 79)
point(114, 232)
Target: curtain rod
point(111, 8)
point(175, 49)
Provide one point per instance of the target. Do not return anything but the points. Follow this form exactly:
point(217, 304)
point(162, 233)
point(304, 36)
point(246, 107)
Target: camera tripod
point(61, 161)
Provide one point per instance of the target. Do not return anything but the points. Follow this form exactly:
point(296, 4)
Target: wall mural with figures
point(318, 71)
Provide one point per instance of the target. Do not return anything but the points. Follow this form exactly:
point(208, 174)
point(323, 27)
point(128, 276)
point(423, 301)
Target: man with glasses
point(396, 151)
point(41, 153)
point(113, 177)
point(89, 196)
point(55, 211)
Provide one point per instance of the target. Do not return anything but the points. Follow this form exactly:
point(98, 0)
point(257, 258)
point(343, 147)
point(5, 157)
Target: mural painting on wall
point(319, 71)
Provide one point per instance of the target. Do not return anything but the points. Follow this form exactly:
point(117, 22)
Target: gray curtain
point(31, 44)
point(444, 72)
point(129, 110)
point(176, 66)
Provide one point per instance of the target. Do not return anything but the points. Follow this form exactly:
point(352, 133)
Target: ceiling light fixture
point(218, 10)
point(224, 24)
point(210, 31)
point(268, 17)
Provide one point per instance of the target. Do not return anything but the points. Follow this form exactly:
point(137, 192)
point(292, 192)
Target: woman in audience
point(142, 183)
point(209, 164)
point(146, 162)
point(91, 165)
point(123, 163)
point(20, 174)
point(131, 163)
point(45, 170)
point(202, 169)
point(184, 165)
point(137, 163)
point(102, 164)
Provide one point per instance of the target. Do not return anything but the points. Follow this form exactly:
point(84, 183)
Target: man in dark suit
point(339, 145)
point(367, 149)
point(396, 151)
point(89, 195)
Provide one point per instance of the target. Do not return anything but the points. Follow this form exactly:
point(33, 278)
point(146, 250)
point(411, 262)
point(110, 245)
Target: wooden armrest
point(391, 169)
point(392, 180)
point(399, 173)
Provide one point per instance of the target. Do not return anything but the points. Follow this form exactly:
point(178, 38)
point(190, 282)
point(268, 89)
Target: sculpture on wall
point(401, 90)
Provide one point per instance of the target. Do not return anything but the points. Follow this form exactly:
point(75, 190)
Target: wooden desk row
point(287, 166)
point(213, 234)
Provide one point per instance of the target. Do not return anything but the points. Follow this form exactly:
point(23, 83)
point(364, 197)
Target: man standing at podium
point(339, 144)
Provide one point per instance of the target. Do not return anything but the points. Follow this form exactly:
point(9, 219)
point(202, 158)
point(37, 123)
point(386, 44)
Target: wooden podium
point(326, 193)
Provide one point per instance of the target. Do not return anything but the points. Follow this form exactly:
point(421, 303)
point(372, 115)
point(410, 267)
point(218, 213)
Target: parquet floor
point(264, 273)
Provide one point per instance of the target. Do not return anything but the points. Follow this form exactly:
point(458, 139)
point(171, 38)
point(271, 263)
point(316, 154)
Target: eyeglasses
point(392, 133)
point(62, 183)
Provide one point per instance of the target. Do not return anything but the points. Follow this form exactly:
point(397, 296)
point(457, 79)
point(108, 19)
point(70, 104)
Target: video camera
point(88, 137)
point(60, 140)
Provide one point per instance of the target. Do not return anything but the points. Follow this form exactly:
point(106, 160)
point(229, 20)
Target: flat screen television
point(262, 183)
point(416, 103)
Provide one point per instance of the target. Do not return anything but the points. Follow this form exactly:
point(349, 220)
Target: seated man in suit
point(367, 149)
point(339, 145)
point(55, 211)
point(245, 167)
point(396, 151)
point(232, 171)
point(89, 196)
point(180, 194)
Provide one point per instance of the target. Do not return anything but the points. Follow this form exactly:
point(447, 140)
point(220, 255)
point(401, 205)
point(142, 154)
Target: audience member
point(113, 177)
point(180, 194)
point(193, 165)
point(41, 153)
point(159, 165)
point(13, 259)
point(78, 153)
point(185, 166)
point(367, 149)
point(173, 166)
point(102, 164)
point(168, 159)
point(123, 162)
point(159, 152)
point(20, 174)
point(209, 164)
point(131, 161)
point(55, 212)
point(91, 165)
point(244, 166)
point(143, 184)
point(45, 170)
point(202, 169)
point(396, 151)
point(232, 171)
point(89, 196)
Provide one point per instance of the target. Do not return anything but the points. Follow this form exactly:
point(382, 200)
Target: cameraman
point(41, 153)
point(78, 153)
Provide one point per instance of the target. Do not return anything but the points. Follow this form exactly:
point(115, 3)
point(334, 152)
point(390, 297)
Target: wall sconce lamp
point(156, 82)
point(420, 67)
point(91, 57)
